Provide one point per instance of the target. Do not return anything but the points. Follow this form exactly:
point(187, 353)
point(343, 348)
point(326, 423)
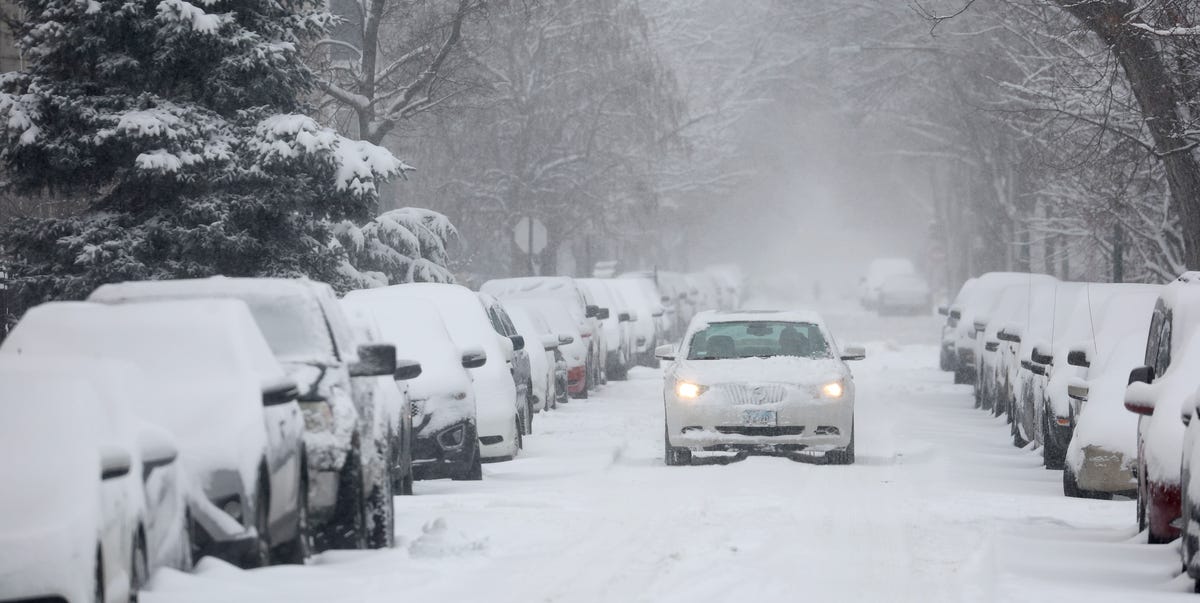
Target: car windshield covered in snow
point(283, 321)
point(761, 339)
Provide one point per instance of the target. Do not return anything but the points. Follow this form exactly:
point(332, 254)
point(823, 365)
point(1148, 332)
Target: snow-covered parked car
point(389, 408)
point(1091, 375)
point(760, 382)
point(1157, 392)
point(94, 501)
point(1099, 312)
point(1050, 307)
point(519, 365)
point(567, 292)
point(572, 347)
point(216, 387)
point(948, 357)
point(499, 404)
point(647, 327)
point(442, 397)
point(973, 317)
point(311, 337)
point(619, 339)
point(542, 365)
point(903, 294)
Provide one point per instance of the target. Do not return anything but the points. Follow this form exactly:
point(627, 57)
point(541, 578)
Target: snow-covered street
point(939, 507)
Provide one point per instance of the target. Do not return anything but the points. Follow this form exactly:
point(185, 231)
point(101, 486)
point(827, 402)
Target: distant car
point(572, 348)
point(879, 271)
point(1090, 376)
point(948, 356)
point(615, 325)
point(759, 382)
point(903, 294)
point(310, 335)
point(222, 395)
point(93, 502)
point(648, 327)
point(973, 311)
point(568, 293)
point(1158, 392)
point(542, 366)
point(499, 404)
point(442, 397)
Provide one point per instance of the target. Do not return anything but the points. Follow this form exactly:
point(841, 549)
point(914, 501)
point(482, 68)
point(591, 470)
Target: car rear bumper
point(1105, 471)
point(576, 380)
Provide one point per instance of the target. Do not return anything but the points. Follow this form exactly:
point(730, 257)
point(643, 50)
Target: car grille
point(783, 430)
point(740, 393)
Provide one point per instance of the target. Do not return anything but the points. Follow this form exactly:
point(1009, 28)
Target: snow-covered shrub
point(182, 126)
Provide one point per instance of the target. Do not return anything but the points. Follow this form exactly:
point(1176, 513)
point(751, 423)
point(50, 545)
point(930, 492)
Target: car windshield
point(758, 339)
point(294, 327)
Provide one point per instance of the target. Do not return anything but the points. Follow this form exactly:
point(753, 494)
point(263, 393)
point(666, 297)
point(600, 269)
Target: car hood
point(778, 369)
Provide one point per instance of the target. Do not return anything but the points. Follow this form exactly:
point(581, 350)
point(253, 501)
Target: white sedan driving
point(771, 383)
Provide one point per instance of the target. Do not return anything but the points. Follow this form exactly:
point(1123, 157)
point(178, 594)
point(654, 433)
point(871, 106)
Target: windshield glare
point(758, 339)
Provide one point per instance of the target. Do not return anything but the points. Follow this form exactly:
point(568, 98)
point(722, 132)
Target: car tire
point(98, 578)
point(674, 457)
point(347, 528)
point(520, 431)
point(1014, 429)
point(381, 516)
point(297, 550)
point(473, 471)
point(1053, 455)
point(261, 555)
point(139, 567)
point(842, 456)
point(529, 404)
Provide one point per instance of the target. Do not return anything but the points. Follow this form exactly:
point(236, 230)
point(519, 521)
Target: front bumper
point(445, 451)
point(1105, 471)
point(814, 426)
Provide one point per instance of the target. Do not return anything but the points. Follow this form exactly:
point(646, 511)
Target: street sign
point(530, 240)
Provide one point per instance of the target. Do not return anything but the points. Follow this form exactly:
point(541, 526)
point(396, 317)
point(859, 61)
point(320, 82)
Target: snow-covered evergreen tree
point(401, 246)
point(181, 125)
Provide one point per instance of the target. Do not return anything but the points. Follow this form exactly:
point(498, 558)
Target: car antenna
point(1091, 319)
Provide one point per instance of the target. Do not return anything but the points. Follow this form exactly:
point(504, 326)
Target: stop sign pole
point(531, 237)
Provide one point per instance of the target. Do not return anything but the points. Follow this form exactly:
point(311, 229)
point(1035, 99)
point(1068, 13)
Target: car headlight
point(833, 389)
point(688, 390)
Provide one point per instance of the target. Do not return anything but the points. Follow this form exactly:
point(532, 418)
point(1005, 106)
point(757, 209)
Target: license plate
point(759, 418)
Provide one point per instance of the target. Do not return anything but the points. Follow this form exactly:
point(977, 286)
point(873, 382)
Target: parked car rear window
point(761, 339)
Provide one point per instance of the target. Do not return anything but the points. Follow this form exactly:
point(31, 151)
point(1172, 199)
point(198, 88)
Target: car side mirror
point(518, 342)
point(1142, 374)
point(114, 462)
point(407, 369)
point(566, 339)
point(280, 391)
point(1040, 356)
point(1078, 358)
point(943, 310)
point(474, 358)
point(658, 313)
point(665, 352)
point(1139, 398)
point(1037, 369)
point(549, 342)
point(603, 314)
point(666, 299)
point(374, 360)
point(854, 352)
point(1006, 335)
point(592, 311)
point(980, 325)
point(991, 346)
point(956, 314)
point(157, 447)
